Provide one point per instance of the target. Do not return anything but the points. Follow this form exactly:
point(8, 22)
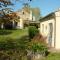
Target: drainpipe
point(54, 31)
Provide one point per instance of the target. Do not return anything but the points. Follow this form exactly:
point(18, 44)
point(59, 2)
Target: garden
point(24, 44)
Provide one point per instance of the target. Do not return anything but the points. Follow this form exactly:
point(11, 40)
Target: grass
point(12, 44)
point(14, 34)
point(53, 56)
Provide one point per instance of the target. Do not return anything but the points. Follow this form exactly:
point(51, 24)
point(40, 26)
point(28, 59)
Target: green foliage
point(38, 42)
point(38, 45)
point(11, 55)
point(14, 34)
point(7, 44)
point(15, 43)
point(11, 39)
point(32, 31)
point(38, 48)
point(13, 49)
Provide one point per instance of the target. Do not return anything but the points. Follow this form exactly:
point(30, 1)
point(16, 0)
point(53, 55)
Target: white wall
point(20, 24)
point(57, 30)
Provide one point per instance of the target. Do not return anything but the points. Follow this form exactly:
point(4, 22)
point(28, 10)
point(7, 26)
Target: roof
point(50, 14)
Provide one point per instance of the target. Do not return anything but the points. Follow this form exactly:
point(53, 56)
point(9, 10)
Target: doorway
point(50, 34)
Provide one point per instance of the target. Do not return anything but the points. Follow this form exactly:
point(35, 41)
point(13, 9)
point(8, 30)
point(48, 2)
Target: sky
point(45, 6)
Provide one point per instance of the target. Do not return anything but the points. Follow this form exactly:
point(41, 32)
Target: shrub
point(38, 45)
point(39, 38)
point(32, 31)
point(39, 48)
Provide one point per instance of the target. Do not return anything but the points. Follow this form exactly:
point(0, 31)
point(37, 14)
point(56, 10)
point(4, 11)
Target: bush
point(39, 38)
point(39, 48)
point(38, 45)
point(32, 31)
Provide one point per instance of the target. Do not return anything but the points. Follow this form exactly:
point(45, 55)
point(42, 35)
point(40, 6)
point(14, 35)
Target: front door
point(50, 34)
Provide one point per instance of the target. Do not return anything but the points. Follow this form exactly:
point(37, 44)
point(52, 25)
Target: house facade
point(50, 28)
point(24, 16)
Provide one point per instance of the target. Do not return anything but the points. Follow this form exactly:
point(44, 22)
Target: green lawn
point(17, 34)
point(53, 56)
point(12, 43)
point(14, 34)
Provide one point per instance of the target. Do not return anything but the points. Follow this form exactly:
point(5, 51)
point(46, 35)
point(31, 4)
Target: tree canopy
point(8, 2)
point(7, 13)
point(5, 3)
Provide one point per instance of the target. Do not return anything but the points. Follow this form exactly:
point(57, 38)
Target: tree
point(36, 13)
point(7, 14)
point(10, 17)
point(5, 3)
point(8, 2)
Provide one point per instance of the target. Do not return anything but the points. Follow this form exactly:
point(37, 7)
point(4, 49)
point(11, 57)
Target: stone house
point(24, 15)
point(50, 28)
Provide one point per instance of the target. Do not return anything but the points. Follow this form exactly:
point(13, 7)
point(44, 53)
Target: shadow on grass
point(5, 32)
point(9, 48)
point(24, 38)
point(47, 53)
